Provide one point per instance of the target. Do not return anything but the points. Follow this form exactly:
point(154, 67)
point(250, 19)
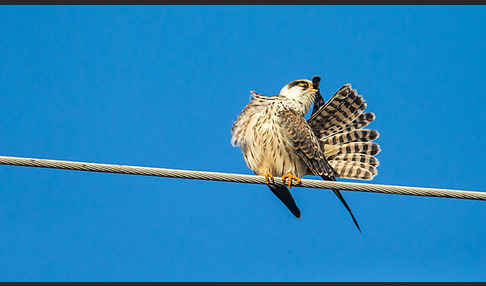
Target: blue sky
point(161, 86)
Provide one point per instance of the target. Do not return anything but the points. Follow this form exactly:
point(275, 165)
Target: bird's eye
point(300, 83)
point(303, 84)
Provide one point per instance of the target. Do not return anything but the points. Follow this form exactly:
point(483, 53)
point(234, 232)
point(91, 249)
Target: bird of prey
point(276, 139)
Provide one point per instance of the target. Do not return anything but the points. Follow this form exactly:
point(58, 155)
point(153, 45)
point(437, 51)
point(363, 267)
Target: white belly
point(266, 148)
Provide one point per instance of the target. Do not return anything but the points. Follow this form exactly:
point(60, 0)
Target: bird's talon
point(291, 177)
point(268, 176)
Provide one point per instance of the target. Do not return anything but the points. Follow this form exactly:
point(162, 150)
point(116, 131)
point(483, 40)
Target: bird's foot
point(290, 177)
point(268, 176)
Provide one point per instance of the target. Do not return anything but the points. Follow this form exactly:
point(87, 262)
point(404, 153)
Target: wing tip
point(284, 195)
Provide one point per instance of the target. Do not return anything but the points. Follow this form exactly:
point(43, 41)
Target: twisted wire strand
point(239, 178)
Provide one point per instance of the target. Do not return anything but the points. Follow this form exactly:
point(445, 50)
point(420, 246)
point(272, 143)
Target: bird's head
point(300, 93)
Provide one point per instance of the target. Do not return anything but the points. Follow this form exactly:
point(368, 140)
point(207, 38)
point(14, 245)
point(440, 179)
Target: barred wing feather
point(347, 146)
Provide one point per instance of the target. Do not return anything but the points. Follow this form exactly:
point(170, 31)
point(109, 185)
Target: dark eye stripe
point(300, 83)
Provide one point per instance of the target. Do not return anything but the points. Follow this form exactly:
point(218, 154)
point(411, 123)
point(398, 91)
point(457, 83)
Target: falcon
point(276, 139)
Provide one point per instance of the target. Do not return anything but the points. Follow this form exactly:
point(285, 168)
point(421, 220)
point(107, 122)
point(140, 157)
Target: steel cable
point(239, 178)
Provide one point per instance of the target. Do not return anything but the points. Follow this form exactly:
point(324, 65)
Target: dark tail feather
point(340, 197)
point(284, 195)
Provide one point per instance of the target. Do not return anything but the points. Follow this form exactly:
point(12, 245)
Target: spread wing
point(306, 145)
point(339, 112)
point(347, 147)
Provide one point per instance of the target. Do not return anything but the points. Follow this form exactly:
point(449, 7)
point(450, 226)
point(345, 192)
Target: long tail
point(341, 198)
point(339, 195)
point(284, 195)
